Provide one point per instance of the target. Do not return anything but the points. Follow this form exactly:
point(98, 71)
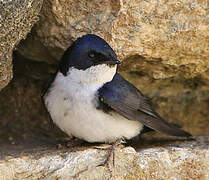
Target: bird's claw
point(111, 152)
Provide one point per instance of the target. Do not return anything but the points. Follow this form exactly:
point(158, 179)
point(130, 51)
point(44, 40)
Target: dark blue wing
point(128, 101)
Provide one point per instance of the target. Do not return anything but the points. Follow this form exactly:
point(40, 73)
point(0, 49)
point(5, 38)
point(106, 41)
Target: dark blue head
point(87, 51)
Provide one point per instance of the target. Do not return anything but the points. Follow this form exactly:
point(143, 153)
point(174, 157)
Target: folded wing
point(128, 101)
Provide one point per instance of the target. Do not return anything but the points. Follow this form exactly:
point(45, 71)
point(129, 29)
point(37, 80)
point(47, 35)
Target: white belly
point(74, 111)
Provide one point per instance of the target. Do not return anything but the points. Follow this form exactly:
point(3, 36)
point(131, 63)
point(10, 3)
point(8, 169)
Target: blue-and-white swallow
point(89, 100)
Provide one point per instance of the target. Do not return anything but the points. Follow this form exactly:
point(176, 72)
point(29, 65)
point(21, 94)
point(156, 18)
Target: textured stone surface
point(22, 113)
point(169, 37)
point(16, 19)
point(188, 160)
point(164, 48)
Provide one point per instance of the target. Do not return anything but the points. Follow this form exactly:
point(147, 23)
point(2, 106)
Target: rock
point(166, 38)
point(164, 48)
point(188, 160)
point(16, 19)
point(22, 111)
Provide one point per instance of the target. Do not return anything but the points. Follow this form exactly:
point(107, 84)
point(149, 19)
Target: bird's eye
point(91, 54)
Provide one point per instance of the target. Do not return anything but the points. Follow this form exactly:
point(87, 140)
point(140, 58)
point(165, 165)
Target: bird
point(88, 99)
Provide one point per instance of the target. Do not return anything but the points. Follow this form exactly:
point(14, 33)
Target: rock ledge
point(188, 160)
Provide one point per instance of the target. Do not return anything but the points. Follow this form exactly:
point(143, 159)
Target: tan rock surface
point(16, 19)
point(172, 37)
point(188, 160)
point(165, 46)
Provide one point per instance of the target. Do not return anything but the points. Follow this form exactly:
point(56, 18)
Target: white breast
point(72, 104)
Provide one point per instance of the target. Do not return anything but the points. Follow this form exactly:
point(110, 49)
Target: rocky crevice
point(164, 49)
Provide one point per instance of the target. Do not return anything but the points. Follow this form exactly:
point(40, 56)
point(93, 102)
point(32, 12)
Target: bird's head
point(90, 56)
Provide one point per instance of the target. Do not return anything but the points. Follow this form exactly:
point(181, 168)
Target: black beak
point(112, 62)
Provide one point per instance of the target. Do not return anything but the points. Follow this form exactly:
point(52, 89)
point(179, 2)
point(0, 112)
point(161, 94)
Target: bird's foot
point(111, 151)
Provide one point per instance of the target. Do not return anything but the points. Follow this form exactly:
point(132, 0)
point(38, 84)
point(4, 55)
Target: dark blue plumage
point(127, 100)
point(80, 54)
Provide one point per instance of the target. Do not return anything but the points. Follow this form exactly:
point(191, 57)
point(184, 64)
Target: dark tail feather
point(161, 125)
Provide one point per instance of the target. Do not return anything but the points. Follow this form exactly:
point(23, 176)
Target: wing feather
point(127, 100)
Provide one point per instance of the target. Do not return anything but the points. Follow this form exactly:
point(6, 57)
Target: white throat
point(95, 76)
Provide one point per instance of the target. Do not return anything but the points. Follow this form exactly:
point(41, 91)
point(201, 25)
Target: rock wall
point(22, 112)
point(164, 46)
point(16, 19)
point(170, 36)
